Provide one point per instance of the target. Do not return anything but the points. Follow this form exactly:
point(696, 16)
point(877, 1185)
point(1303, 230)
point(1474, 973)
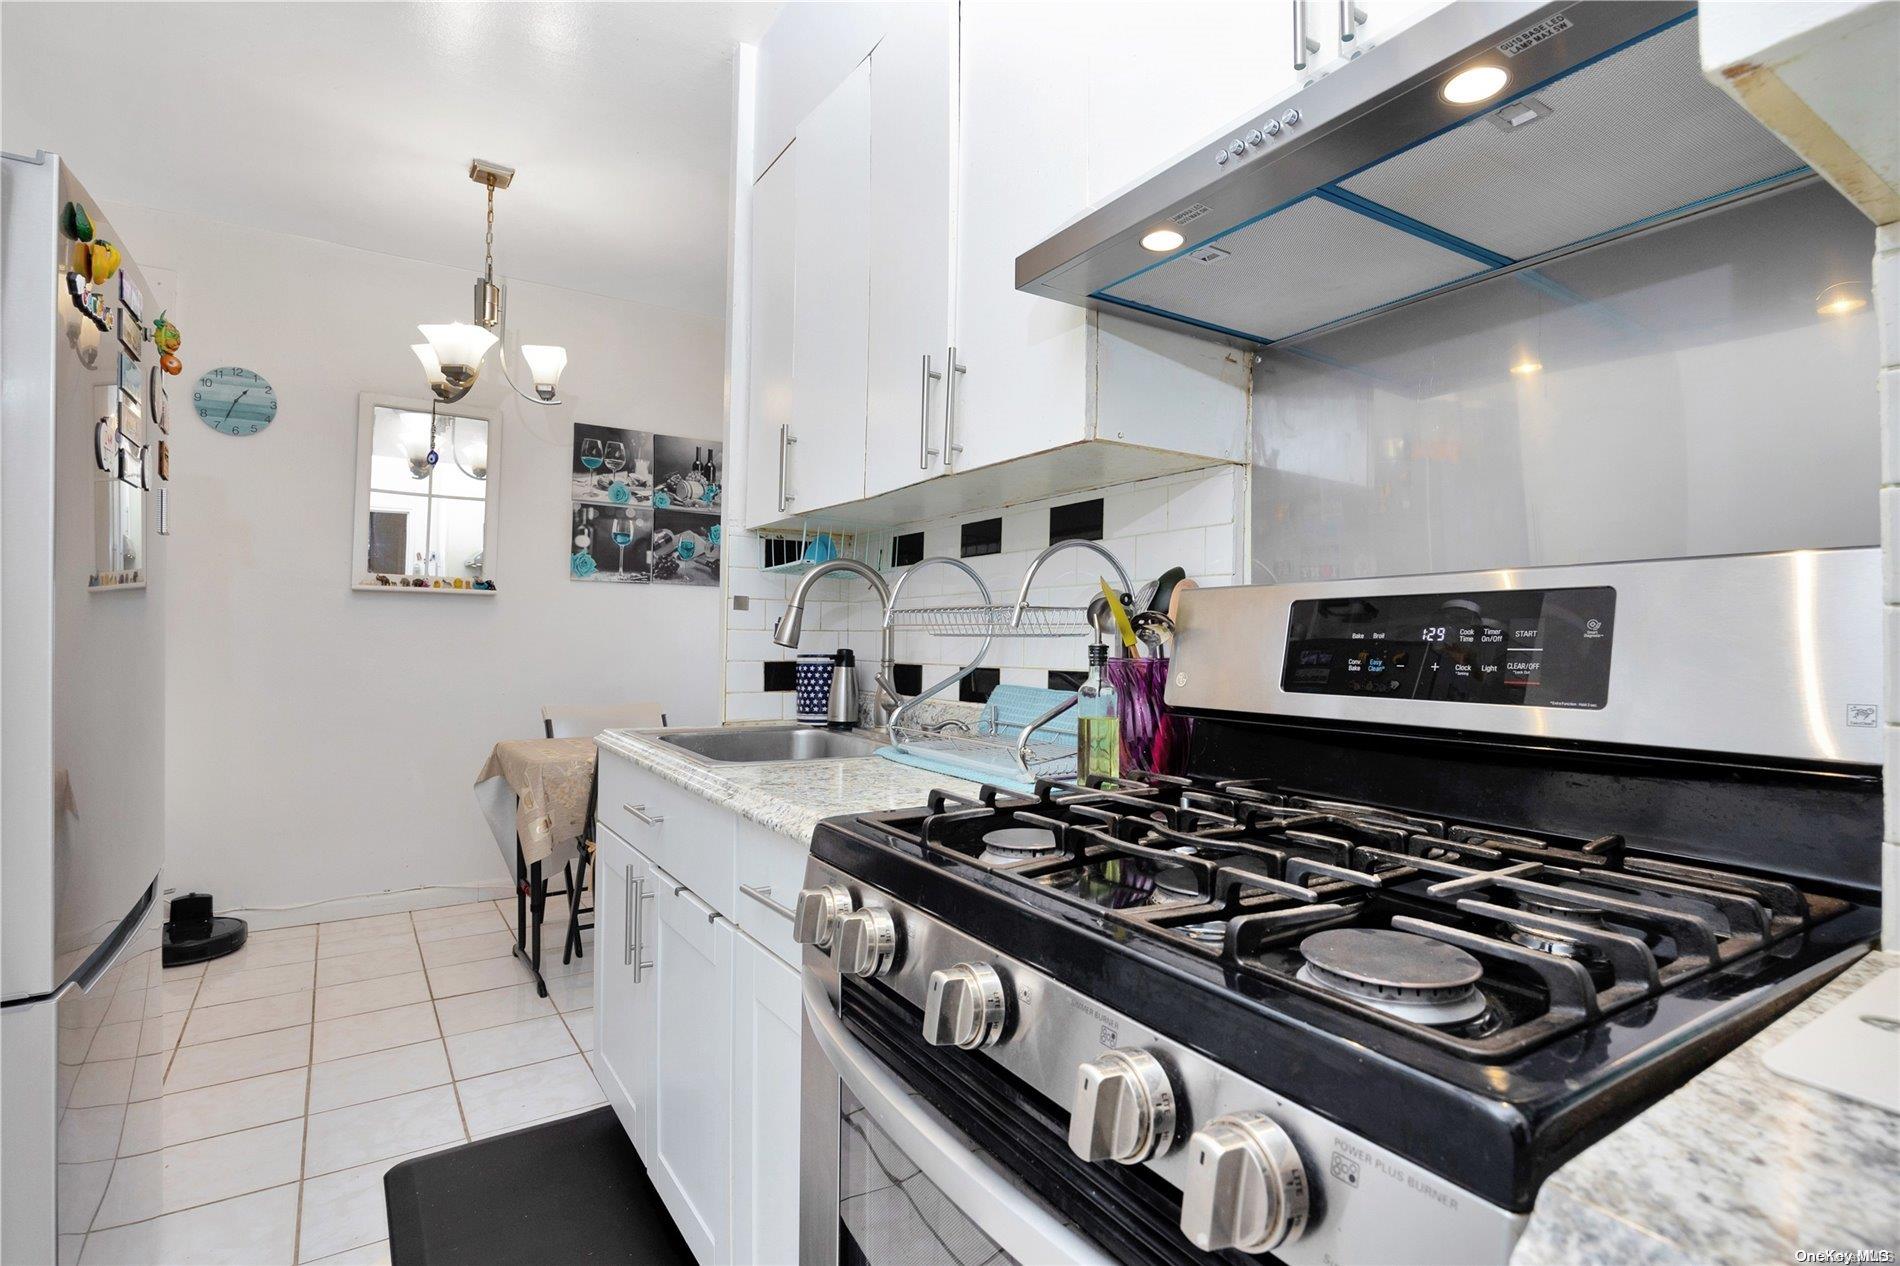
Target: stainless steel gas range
point(1467, 871)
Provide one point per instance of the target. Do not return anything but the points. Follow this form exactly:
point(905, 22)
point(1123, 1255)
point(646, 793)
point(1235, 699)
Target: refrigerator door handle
point(111, 952)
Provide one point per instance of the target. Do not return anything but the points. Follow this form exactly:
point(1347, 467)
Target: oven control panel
point(1546, 648)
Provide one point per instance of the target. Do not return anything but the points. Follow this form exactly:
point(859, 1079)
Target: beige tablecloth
point(550, 781)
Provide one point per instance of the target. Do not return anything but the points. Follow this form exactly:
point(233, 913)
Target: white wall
point(322, 742)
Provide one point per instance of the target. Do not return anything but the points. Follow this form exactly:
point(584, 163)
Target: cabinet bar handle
point(640, 811)
point(1304, 45)
point(636, 930)
point(950, 447)
point(1351, 18)
point(633, 905)
point(924, 451)
point(763, 895)
point(785, 441)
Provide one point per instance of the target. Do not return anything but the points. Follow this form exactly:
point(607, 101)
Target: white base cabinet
point(765, 1095)
point(697, 1010)
point(623, 981)
point(690, 1163)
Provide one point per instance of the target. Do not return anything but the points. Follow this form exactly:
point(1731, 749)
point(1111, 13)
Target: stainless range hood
point(1368, 188)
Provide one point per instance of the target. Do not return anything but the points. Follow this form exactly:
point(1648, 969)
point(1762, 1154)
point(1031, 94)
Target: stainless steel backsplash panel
point(1687, 399)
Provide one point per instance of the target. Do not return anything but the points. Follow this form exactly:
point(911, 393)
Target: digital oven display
point(1541, 648)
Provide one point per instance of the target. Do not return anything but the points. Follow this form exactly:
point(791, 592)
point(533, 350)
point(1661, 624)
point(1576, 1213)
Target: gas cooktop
point(1479, 940)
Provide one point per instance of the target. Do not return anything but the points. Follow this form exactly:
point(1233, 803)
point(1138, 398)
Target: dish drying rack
point(1023, 733)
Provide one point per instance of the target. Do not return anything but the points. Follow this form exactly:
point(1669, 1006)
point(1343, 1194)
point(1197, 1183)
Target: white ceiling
point(354, 123)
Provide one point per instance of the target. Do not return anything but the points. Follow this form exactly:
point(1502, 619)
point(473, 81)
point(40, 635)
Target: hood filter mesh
point(1639, 134)
point(1633, 136)
point(1302, 266)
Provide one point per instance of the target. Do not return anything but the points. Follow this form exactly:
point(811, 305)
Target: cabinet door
point(1022, 172)
point(769, 369)
point(623, 982)
point(913, 164)
point(1384, 18)
point(692, 1070)
point(765, 1106)
point(831, 264)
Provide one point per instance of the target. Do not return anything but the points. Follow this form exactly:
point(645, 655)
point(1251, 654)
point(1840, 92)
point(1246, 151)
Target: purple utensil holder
point(1154, 740)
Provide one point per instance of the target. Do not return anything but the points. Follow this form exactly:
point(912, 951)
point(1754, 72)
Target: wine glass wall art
point(644, 507)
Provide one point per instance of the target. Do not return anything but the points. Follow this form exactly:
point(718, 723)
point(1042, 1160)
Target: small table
point(535, 793)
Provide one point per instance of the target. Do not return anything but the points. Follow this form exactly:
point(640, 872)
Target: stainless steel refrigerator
point(82, 707)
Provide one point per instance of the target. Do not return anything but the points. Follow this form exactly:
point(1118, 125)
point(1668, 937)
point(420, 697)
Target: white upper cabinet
point(913, 169)
point(960, 138)
point(769, 345)
point(831, 296)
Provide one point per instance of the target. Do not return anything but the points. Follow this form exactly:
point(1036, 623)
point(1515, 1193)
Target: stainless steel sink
point(764, 744)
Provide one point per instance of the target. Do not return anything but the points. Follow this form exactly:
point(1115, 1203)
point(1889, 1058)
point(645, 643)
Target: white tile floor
point(245, 1111)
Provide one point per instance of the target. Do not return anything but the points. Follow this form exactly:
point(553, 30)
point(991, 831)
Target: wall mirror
point(425, 526)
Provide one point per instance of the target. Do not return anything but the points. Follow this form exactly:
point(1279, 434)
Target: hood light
point(1840, 299)
point(1480, 83)
point(1162, 240)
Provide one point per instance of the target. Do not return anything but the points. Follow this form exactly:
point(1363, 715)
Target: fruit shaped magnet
point(97, 260)
point(75, 223)
point(170, 364)
point(165, 335)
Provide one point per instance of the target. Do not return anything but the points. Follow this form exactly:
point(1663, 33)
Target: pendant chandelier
point(452, 358)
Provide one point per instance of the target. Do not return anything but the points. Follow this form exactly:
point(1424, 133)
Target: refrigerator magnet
point(131, 333)
point(105, 443)
point(161, 407)
point(164, 460)
point(129, 376)
point(164, 511)
point(131, 418)
point(130, 298)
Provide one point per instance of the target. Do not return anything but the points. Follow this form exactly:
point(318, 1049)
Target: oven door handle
point(1021, 1225)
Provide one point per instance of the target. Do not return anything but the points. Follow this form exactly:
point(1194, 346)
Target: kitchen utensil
point(1163, 590)
point(841, 712)
point(1174, 599)
point(1154, 629)
point(1145, 595)
point(1122, 627)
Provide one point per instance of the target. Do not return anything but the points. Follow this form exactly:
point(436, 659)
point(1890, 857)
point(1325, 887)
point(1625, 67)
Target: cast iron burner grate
point(1552, 932)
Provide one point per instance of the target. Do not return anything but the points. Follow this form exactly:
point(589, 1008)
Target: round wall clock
point(235, 401)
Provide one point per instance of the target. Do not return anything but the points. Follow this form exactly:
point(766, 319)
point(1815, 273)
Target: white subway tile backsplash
point(756, 706)
point(756, 643)
point(1201, 501)
point(1189, 521)
point(1136, 509)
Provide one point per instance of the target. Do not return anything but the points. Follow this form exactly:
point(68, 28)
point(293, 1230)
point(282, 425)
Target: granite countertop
point(1741, 1165)
point(790, 797)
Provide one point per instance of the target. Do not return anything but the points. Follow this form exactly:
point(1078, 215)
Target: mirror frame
point(366, 405)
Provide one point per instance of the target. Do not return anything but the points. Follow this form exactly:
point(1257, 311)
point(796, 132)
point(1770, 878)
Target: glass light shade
point(545, 363)
point(458, 345)
point(430, 364)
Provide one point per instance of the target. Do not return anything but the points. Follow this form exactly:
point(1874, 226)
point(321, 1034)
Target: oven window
point(889, 1213)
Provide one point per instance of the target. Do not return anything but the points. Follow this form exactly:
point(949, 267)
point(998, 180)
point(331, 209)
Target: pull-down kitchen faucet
point(790, 624)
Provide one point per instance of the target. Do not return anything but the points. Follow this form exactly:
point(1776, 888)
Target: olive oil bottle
point(1097, 728)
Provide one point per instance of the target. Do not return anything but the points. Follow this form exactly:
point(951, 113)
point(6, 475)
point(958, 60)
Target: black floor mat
point(572, 1190)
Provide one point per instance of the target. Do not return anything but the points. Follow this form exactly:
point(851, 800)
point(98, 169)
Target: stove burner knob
point(1123, 1109)
point(815, 918)
point(1246, 1187)
point(963, 1006)
point(866, 942)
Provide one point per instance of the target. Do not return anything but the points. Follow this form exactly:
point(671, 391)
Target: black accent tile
point(985, 536)
point(781, 674)
point(1060, 680)
point(977, 686)
point(1077, 521)
point(908, 678)
point(907, 549)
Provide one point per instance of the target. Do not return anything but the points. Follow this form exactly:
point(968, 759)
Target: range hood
point(1368, 189)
